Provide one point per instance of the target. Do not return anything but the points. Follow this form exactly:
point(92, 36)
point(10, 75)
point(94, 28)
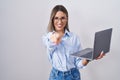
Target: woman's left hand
point(101, 55)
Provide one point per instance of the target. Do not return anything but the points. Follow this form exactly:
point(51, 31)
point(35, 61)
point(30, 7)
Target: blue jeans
point(72, 74)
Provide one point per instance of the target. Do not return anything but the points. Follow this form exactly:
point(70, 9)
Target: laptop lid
point(102, 42)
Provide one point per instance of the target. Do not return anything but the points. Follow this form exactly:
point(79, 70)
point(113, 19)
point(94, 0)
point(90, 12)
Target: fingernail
point(102, 52)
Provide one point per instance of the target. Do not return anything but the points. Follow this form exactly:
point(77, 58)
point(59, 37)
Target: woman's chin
point(60, 29)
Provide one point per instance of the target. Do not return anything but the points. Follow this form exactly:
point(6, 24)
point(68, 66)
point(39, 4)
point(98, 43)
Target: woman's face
point(60, 21)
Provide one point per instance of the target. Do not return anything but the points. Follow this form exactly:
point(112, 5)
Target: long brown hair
point(57, 8)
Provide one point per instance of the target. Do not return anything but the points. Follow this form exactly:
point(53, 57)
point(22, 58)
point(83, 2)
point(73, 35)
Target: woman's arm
point(85, 61)
point(55, 38)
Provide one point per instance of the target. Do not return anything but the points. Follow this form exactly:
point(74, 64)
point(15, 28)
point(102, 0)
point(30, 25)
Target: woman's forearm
point(85, 62)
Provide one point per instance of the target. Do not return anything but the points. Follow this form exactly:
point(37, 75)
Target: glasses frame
point(57, 19)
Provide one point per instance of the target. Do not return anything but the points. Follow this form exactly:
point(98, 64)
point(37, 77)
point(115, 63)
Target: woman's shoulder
point(47, 35)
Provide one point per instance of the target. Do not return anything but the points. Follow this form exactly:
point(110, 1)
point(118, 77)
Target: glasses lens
point(61, 19)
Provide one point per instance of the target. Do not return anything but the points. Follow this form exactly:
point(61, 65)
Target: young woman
point(60, 43)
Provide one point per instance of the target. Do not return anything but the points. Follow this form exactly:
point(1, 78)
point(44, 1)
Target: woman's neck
point(61, 33)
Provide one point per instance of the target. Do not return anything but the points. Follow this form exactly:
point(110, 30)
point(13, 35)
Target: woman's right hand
point(55, 38)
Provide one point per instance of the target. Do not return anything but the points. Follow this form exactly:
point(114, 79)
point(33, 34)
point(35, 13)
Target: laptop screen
point(102, 42)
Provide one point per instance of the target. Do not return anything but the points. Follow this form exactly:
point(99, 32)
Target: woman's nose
point(60, 20)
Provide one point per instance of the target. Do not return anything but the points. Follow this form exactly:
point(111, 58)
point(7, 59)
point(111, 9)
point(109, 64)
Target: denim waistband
point(65, 72)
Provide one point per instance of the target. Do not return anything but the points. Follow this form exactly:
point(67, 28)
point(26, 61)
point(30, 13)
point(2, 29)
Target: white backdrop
point(23, 22)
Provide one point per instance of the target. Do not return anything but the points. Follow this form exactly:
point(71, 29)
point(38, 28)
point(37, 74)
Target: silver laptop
point(101, 43)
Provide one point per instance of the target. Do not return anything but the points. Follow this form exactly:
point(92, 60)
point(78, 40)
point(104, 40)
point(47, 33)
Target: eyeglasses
point(63, 19)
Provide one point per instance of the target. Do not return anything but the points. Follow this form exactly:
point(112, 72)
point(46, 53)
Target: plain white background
point(23, 22)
